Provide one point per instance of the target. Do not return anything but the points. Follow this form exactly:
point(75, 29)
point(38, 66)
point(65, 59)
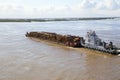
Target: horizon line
point(65, 17)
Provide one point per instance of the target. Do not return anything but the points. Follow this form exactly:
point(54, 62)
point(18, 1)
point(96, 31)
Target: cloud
point(87, 4)
point(86, 8)
point(108, 5)
point(102, 4)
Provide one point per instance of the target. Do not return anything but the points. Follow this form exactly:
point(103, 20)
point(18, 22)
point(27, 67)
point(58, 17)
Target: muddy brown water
point(24, 59)
point(41, 60)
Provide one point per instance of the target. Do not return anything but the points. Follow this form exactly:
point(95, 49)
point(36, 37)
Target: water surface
point(24, 59)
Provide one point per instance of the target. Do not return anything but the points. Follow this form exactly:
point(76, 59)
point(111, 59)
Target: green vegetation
point(54, 19)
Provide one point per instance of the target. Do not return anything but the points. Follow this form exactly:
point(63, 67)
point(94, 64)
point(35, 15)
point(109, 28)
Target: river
point(24, 59)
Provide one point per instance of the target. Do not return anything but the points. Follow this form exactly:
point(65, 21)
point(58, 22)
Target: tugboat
point(92, 41)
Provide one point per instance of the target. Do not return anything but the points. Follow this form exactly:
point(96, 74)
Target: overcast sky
point(58, 8)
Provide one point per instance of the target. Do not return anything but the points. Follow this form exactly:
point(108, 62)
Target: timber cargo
point(68, 40)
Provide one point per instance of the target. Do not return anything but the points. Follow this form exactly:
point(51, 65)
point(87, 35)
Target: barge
point(68, 40)
point(92, 41)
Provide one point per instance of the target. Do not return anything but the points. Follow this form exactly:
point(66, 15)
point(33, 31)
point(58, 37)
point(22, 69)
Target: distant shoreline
point(54, 19)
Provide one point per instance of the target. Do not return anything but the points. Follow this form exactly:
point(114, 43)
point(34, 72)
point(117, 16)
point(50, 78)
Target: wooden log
point(68, 40)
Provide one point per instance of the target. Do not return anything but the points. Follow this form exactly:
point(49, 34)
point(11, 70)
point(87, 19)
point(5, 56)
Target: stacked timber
point(68, 40)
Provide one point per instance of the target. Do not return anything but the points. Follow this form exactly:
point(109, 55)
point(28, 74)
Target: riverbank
point(55, 19)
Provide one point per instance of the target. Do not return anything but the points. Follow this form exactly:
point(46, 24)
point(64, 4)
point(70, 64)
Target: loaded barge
point(92, 41)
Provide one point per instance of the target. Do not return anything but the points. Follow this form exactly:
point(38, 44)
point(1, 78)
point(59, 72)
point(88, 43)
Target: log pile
point(68, 40)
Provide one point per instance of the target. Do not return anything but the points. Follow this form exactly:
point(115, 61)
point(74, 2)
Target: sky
point(59, 8)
